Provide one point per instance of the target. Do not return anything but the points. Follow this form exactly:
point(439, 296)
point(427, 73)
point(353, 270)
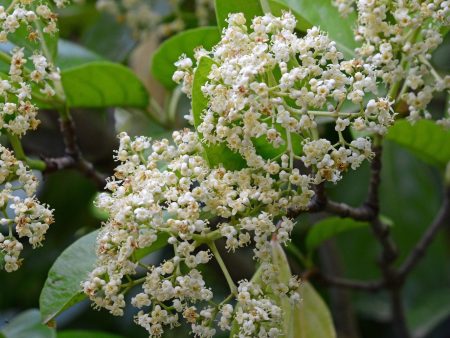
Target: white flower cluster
point(27, 13)
point(268, 84)
point(17, 112)
point(31, 218)
point(165, 190)
point(144, 17)
point(397, 39)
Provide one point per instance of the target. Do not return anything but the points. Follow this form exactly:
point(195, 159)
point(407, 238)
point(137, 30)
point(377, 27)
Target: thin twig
point(370, 286)
point(73, 157)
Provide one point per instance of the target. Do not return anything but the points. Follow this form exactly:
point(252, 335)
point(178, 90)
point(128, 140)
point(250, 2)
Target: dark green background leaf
point(62, 288)
point(72, 55)
point(27, 325)
point(329, 228)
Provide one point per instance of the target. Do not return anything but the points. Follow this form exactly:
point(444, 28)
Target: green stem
point(60, 94)
point(223, 267)
point(20, 154)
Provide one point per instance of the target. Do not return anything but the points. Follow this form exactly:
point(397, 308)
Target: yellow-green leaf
point(312, 318)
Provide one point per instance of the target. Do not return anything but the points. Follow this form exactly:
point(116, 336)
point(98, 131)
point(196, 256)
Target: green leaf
point(277, 7)
point(72, 55)
point(425, 138)
point(250, 9)
point(216, 154)
point(102, 84)
point(62, 289)
point(323, 14)
point(86, 334)
point(27, 325)
point(312, 318)
point(329, 228)
point(162, 64)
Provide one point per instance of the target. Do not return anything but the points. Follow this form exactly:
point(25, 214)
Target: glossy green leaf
point(27, 325)
point(216, 154)
point(102, 84)
point(329, 228)
point(62, 289)
point(277, 7)
point(72, 55)
point(162, 66)
point(250, 9)
point(424, 138)
point(312, 318)
point(323, 14)
point(86, 334)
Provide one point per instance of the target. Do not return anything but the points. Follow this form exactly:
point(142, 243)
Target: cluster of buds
point(266, 88)
point(398, 38)
point(166, 190)
point(17, 113)
point(31, 218)
point(268, 83)
point(28, 14)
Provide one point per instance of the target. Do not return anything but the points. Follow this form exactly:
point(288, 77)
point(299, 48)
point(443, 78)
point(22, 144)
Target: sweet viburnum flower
point(31, 218)
point(161, 189)
point(20, 115)
point(26, 13)
point(265, 86)
point(397, 39)
point(267, 83)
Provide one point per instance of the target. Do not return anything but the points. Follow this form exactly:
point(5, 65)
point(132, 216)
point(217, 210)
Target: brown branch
point(73, 158)
point(389, 251)
point(393, 279)
point(370, 286)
